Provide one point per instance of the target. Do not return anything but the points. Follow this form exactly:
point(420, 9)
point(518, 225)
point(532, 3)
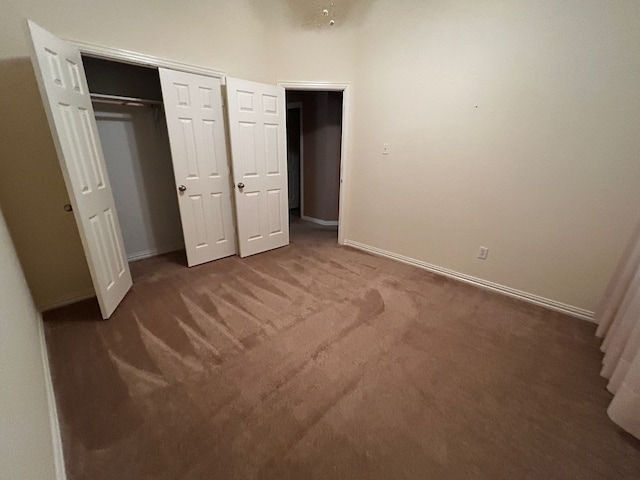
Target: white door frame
point(293, 106)
point(346, 120)
point(141, 59)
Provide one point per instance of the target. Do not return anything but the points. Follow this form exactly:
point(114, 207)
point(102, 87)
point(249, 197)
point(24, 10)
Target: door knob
point(182, 188)
point(241, 185)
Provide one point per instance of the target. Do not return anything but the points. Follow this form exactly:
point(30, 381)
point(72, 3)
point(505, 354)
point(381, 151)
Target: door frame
point(344, 147)
point(142, 60)
point(293, 106)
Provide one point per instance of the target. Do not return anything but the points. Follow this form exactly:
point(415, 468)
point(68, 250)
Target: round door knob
point(241, 185)
point(182, 188)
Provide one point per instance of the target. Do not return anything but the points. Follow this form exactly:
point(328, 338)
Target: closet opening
point(128, 106)
point(314, 156)
point(181, 112)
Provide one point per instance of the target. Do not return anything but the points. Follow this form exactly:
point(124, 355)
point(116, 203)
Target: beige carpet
point(321, 362)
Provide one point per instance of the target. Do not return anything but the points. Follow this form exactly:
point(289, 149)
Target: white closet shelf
point(128, 101)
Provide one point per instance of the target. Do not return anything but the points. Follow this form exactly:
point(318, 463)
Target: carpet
point(316, 361)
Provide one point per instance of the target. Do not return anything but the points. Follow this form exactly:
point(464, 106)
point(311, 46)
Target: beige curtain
point(618, 317)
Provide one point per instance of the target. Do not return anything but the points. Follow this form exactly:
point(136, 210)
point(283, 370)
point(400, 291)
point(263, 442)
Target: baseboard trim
point(324, 223)
point(152, 253)
point(68, 300)
point(54, 424)
point(495, 287)
point(85, 295)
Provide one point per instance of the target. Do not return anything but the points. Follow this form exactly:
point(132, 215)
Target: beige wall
point(217, 34)
point(26, 443)
point(511, 125)
point(32, 192)
point(303, 47)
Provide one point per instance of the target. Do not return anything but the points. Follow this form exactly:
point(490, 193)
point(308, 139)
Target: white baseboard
point(325, 223)
point(68, 300)
point(152, 253)
point(511, 292)
point(54, 423)
point(86, 294)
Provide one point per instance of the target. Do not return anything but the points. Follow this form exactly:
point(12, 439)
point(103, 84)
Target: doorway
point(314, 156)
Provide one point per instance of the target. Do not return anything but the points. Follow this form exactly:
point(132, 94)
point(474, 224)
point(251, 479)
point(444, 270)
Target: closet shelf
point(128, 101)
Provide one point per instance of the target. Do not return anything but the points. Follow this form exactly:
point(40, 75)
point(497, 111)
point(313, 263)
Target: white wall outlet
point(385, 149)
point(484, 252)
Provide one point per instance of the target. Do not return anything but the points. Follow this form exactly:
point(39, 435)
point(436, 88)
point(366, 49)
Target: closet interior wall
point(137, 154)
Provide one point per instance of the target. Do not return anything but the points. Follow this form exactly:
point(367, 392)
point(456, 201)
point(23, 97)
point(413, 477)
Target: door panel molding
point(256, 115)
point(195, 121)
point(65, 95)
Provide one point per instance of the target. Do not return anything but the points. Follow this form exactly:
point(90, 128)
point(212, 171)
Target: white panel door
point(63, 86)
point(193, 106)
point(259, 158)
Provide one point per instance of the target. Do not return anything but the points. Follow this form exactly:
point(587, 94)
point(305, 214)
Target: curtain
point(618, 317)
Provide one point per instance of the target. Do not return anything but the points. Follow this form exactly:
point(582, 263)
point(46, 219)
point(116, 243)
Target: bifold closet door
point(65, 95)
point(193, 107)
point(257, 130)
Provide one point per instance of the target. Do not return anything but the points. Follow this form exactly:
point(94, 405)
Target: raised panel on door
point(65, 95)
point(193, 106)
point(257, 130)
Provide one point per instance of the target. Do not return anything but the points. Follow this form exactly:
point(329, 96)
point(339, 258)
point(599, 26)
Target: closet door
point(63, 86)
point(259, 156)
point(193, 106)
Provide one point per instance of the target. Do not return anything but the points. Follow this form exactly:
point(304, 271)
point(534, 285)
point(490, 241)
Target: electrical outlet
point(484, 252)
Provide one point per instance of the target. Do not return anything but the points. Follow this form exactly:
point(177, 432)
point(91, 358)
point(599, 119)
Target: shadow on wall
point(309, 14)
point(33, 193)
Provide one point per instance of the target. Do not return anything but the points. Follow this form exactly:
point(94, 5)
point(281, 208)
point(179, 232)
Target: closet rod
point(119, 100)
